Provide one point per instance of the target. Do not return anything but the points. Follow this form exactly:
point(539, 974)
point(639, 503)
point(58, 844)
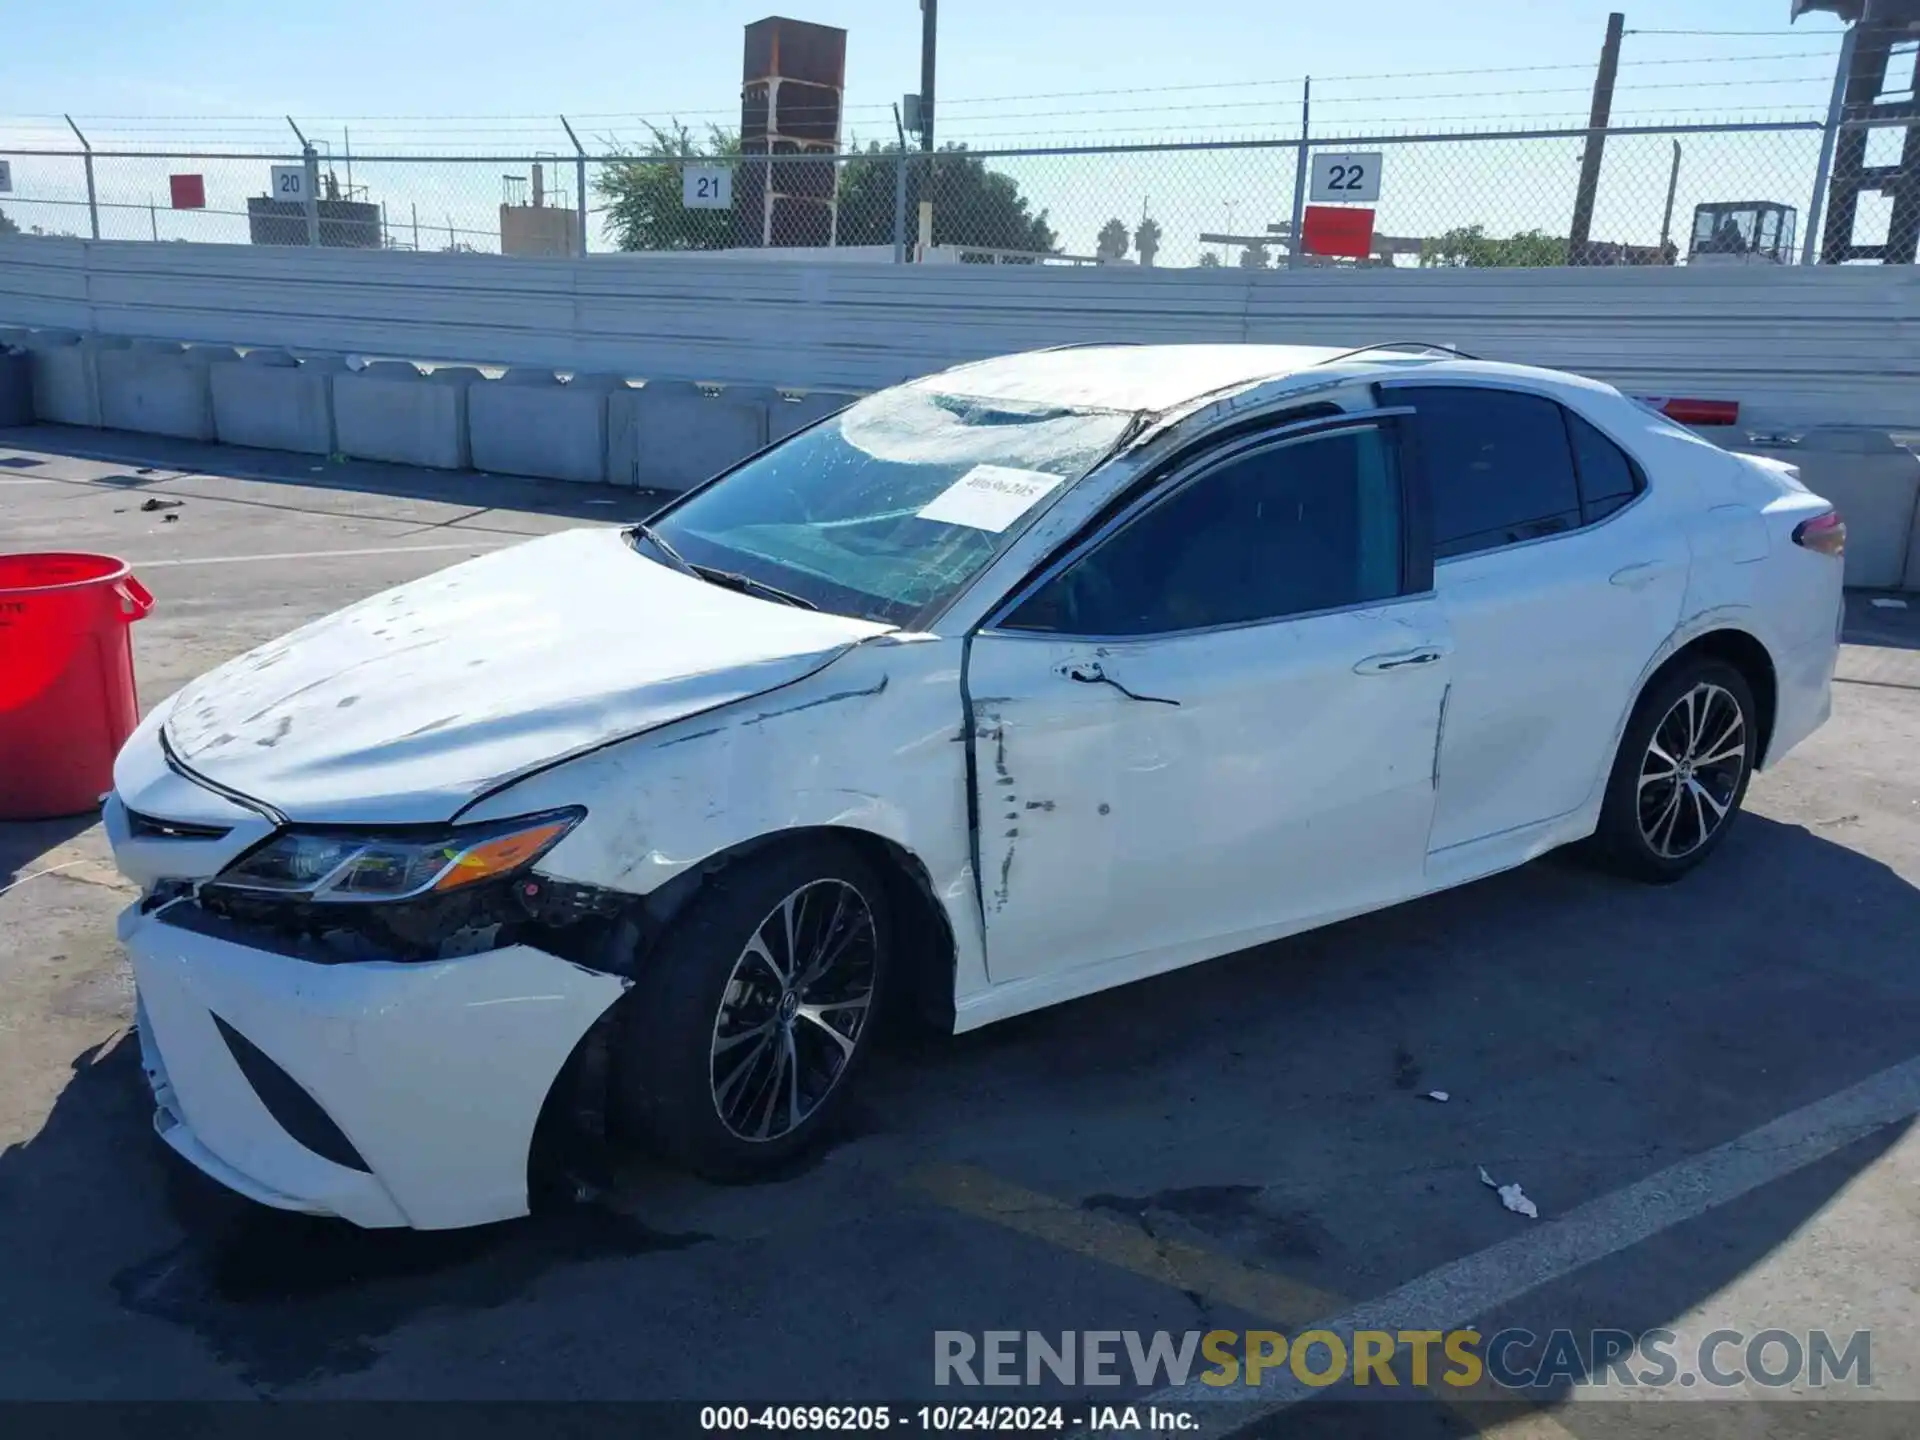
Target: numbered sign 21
point(1346, 177)
point(706, 187)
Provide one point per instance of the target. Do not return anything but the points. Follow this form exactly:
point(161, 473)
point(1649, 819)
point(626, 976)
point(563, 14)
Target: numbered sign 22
point(1346, 177)
point(290, 183)
point(706, 187)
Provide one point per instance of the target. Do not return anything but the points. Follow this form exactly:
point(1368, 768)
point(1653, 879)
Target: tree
point(1146, 239)
point(1209, 260)
point(641, 188)
point(972, 205)
point(1470, 245)
point(1110, 245)
point(1254, 257)
point(7, 226)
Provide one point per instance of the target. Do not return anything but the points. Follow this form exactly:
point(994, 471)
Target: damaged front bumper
point(388, 1093)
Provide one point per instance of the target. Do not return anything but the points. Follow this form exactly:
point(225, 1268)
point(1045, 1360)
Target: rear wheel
point(1681, 772)
point(756, 1010)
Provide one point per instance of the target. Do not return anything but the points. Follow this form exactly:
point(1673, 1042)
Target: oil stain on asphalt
point(290, 1298)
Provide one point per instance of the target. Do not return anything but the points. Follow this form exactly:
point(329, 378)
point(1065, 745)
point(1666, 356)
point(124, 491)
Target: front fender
point(872, 742)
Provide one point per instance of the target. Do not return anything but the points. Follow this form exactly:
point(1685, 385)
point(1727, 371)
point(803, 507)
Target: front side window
point(892, 505)
point(1301, 526)
point(1499, 464)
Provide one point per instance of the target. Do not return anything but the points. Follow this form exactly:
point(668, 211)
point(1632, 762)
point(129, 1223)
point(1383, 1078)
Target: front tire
point(1681, 772)
point(757, 1010)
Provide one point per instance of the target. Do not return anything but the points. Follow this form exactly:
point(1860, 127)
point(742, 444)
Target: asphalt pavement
point(1707, 1089)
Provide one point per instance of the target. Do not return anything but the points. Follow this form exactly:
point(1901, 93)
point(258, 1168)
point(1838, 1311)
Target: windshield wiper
point(731, 579)
point(659, 542)
point(747, 585)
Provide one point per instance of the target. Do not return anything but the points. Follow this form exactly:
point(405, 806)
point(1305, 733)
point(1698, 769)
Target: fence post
point(900, 192)
point(1823, 171)
point(1296, 242)
point(579, 188)
point(93, 200)
point(311, 158)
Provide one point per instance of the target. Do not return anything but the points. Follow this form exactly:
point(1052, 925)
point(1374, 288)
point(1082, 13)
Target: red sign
point(1337, 230)
point(189, 191)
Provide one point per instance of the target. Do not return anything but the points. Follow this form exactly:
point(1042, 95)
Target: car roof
point(1126, 377)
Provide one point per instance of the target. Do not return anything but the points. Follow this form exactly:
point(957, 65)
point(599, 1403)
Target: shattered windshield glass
point(894, 503)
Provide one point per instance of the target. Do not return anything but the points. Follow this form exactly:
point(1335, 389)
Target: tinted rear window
point(1607, 477)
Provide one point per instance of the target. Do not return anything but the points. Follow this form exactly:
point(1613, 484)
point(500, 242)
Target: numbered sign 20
point(706, 187)
point(1347, 177)
point(290, 183)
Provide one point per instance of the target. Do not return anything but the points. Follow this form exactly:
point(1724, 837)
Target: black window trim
point(1642, 486)
point(1416, 549)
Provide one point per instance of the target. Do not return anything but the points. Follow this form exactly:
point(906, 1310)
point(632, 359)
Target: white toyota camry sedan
point(1004, 686)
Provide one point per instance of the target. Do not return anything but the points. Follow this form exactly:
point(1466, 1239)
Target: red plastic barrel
point(67, 701)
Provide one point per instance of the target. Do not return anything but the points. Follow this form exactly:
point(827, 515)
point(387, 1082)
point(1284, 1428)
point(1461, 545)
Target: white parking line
point(1466, 1289)
point(324, 554)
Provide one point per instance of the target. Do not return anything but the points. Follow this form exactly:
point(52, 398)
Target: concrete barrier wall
point(159, 387)
point(390, 411)
point(66, 385)
point(530, 423)
point(273, 401)
point(1875, 484)
point(672, 435)
point(1814, 345)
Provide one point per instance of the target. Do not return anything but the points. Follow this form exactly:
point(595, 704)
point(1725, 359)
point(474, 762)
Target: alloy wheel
point(793, 1010)
point(1691, 771)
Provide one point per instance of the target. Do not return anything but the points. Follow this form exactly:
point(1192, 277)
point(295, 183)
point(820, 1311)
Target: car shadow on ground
point(24, 842)
point(159, 453)
point(1270, 1104)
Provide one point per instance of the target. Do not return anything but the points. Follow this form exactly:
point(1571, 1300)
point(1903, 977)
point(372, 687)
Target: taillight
point(1826, 533)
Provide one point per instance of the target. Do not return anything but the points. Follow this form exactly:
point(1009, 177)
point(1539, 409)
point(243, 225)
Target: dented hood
point(406, 706)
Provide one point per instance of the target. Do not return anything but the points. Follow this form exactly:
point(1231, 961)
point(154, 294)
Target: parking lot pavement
point(1706, 1088)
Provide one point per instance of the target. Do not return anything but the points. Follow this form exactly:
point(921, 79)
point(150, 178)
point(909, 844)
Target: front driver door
point(1215, 720)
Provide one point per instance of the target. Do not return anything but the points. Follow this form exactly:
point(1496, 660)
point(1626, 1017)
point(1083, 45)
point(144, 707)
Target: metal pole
point(1666, 221)
point(1296, 247)
point(1580, 233)
point(153, 219)
point(929, 28)
point(1823, 170)
point(312, 159)
point(900, 192)
point(93, 200)
point(579, 187)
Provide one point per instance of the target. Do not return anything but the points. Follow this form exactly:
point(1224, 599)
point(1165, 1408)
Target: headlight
point(336, 866)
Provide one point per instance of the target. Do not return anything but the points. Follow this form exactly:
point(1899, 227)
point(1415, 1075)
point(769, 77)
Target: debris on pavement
point(154, 502)
point(1883, 603)
point(1511, 1196)
point(1440, 1095)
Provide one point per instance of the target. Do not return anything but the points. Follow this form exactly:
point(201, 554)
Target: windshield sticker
point(989, 497)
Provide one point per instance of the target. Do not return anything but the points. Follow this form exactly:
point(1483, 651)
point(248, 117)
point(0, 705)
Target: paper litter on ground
point(1511, 1196)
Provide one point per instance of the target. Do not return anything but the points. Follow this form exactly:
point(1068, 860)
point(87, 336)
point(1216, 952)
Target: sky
point(487, 76)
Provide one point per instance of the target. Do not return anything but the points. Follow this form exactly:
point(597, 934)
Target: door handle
point(1641, 574)
point(1089, 672)
point(1400, 660)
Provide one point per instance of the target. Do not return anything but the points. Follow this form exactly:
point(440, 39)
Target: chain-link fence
point(1648, 195)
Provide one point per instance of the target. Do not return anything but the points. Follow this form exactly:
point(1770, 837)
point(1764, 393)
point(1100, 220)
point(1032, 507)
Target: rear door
point(1215, 718)
point(1559, 583)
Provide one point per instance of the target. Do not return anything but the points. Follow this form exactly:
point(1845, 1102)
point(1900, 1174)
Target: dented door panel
point(1197, 790)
